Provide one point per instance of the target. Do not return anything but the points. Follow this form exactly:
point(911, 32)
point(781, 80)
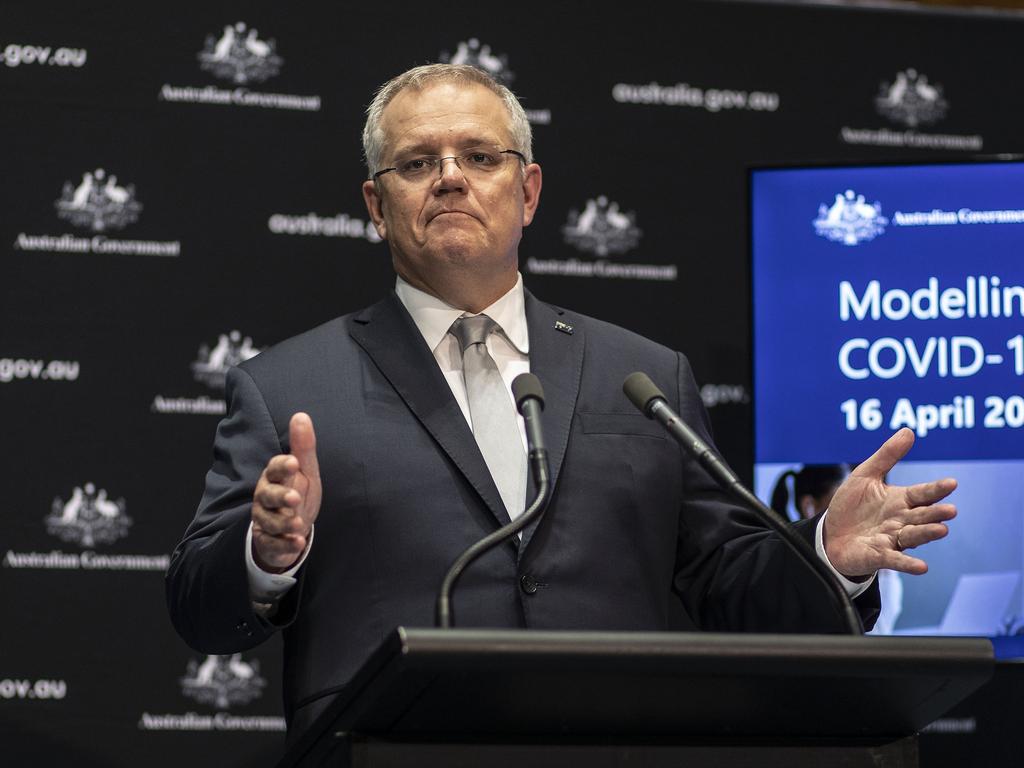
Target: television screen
point(892, 296)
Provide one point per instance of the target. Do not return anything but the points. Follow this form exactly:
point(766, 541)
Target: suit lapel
point(556, 358)
point(389, 336)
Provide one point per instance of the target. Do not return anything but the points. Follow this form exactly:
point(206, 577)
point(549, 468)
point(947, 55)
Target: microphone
point(529, 397)
point(651, 402)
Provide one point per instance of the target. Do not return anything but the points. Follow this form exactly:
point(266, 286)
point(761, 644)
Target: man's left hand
point(869, 524)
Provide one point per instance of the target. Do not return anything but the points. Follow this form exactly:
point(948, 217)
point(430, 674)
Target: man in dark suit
point(400, 475)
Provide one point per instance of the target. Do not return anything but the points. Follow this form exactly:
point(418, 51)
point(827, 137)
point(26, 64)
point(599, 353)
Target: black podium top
point(514, 685)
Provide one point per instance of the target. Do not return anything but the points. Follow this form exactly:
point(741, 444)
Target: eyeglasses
point(474, 163)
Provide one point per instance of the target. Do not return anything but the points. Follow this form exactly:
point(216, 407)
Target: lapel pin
point(563, 327)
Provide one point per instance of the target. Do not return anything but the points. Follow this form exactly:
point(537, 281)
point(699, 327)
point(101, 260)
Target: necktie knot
point(472, 330)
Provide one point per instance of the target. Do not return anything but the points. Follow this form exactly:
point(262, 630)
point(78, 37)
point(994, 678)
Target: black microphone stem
point(529, 397)
point(651, 402)
point(539, 466)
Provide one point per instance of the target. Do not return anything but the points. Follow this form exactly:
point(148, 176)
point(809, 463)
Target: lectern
point(532, 699)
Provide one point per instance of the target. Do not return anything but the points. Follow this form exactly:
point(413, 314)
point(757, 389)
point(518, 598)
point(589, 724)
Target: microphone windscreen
point(525, 386)
point(641, 391)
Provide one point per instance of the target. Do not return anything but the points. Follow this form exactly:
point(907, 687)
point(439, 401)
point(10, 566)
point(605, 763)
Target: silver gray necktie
point(495, 424)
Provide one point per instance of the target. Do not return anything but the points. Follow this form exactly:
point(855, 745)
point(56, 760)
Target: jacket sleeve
point(732, 572)
point(207, 586)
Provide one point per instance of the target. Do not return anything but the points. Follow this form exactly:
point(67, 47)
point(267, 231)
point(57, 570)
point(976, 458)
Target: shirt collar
point(434, 317)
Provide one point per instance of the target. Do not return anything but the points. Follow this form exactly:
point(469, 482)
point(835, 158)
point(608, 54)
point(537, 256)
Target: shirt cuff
point(265, 589)
point(853, 588)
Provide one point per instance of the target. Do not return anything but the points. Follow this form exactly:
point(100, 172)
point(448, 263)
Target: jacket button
point(527, 584)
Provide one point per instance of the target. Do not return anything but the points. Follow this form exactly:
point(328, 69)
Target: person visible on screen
point(812, 489)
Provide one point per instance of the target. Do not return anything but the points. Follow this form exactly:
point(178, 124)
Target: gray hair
point(428, 74)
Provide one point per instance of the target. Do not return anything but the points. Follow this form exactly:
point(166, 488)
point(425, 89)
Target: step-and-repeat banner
point(180, 190)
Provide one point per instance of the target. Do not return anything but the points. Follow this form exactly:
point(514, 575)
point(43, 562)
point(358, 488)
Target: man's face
point(452, 226)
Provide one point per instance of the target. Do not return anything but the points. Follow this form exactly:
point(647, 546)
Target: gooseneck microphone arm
point(529, 397)
point(650, 400)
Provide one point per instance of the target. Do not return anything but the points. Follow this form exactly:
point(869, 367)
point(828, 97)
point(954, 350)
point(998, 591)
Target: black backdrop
point(180, 187)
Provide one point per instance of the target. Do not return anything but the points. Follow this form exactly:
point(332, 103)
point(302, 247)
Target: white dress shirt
point(510, 349)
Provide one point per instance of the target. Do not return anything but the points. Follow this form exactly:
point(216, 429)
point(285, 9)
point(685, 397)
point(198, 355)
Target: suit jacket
point(636, 537)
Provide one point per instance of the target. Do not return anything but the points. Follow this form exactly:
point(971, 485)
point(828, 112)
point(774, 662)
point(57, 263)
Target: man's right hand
point(287, 500)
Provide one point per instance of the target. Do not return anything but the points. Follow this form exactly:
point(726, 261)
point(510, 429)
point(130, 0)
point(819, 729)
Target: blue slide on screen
point(893, 296)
